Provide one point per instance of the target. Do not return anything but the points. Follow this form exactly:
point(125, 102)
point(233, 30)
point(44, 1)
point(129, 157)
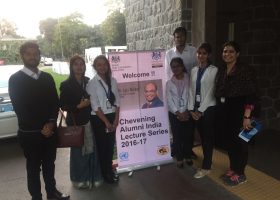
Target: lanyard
point(180, 85)
point(107, 93)
point(180, 88)
point(200, 73)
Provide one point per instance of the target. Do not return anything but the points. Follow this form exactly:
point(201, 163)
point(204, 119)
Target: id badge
point(181, 102)
point(223, 99)
point(197, 98)
point(108, 104)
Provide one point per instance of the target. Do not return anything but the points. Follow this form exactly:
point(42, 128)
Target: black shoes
point(111, 178)
point(189, 162)
point(180, 164)
point(58, 196)
point(116, 177)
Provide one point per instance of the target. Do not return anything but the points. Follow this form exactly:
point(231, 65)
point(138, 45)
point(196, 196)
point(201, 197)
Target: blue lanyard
point(107, 93)
point(200, 73)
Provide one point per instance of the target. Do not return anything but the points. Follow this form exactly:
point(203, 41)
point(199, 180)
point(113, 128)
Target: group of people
point(199, 97)
point(214, 101)
point(93, 104)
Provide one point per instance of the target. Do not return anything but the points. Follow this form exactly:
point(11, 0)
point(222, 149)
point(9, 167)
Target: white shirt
point(98, 96)
point(207, 97)
point(188, 56)
point(173, 98)
point(30, 73)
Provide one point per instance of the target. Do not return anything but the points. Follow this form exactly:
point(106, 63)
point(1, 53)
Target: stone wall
point(150, 23)
point(260, 39)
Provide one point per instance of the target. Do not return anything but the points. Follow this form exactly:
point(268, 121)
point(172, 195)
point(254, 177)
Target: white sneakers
point(98, 183)
point(81, 185)
point(201, 173)
point(87, 184)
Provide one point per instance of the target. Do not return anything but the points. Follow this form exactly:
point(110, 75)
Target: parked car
point(2, 62)
point(8, 119)
point(48, 62)
point(42, 59)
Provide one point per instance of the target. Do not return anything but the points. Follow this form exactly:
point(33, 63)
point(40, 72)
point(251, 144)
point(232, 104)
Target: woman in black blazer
point(84, 169)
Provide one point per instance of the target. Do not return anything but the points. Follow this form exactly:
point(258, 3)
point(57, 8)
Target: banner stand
point(144, 165)
point(143, 135)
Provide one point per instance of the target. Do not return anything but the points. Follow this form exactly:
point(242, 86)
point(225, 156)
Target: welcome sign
point(143, 137)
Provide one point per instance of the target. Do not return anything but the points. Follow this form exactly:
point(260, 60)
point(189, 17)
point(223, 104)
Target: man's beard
point(181, 45)
point(33, 64)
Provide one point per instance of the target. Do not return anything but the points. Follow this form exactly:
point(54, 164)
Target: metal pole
point(60, 39)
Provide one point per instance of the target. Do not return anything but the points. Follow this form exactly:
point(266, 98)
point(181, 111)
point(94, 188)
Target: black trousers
point(206, 130)
point(182, 137)
point(39, 152)
point(104, 142)
point(229, 123)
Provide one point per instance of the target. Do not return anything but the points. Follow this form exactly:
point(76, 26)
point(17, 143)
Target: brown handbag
point(69, 136)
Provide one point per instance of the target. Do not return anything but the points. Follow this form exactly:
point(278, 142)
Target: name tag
point(197, 98)
point(181, 102)
point(108, 104)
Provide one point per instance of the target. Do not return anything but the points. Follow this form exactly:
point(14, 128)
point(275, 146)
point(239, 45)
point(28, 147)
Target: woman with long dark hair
point(84, 167)
point(236, 92)
point(105, 114)
point(202, 104)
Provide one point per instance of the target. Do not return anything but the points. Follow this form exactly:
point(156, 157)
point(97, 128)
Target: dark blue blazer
point(155, 103)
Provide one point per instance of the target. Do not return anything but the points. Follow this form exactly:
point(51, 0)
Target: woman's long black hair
point(71, 64)
point(108, 75)
point(207, 47)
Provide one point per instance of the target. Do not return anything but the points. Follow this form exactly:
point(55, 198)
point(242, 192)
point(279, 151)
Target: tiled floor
point(259, 186)
point(264, 153)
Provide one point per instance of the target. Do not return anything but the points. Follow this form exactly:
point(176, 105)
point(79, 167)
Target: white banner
point(142, 136)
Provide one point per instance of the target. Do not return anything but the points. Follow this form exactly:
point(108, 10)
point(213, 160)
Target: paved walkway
point(169, 183)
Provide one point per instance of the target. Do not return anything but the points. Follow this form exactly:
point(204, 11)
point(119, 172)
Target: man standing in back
point(35, 101)
point(186, 52)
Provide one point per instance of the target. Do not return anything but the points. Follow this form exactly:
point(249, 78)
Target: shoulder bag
point(69, 136)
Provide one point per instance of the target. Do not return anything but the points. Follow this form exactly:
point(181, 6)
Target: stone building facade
point(255, 24)
point(150, 23)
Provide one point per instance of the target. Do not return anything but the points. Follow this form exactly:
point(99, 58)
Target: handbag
point(70, 136)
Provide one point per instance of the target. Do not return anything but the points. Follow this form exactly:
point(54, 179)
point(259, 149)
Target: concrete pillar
point(198, 22)
point(204, 23)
